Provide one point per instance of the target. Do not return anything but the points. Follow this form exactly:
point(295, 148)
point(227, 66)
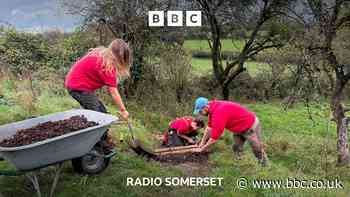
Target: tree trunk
point(341, 121)
point(179, 94)
point(225, 91)
point(342, 144)
point(227, 79)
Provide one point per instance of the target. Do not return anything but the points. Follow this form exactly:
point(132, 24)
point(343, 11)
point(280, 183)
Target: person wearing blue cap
point(243, 123)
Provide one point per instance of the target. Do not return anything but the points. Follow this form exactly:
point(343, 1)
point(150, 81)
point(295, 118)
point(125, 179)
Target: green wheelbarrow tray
point(58, 149)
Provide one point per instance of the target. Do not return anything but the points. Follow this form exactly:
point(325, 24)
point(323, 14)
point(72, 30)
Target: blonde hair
point(118, 55)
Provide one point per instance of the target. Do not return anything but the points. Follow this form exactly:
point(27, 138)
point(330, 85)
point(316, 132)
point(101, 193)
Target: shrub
point(166, 78)
point(175, 70)
point(22, 51)
point(69, 49)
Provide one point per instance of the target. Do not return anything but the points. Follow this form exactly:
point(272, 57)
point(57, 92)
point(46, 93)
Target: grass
point(296, 146)
point(202, 45)
point(202, 66)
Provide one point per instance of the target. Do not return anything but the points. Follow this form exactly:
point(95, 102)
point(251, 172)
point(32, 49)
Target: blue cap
point(200, 103)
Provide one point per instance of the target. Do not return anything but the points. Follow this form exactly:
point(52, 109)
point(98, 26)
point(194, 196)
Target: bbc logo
point(174, 18)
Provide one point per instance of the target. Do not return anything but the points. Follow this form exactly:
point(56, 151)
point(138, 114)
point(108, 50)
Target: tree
point(330, 16)
point(263, 34)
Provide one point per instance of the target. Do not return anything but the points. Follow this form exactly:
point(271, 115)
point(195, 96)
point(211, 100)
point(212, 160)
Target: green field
point(202, 45)
point(203, 66)
point(297, 148)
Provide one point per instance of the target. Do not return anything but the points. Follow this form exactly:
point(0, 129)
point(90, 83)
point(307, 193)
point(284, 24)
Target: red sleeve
point(218, 123)
point(108, 77)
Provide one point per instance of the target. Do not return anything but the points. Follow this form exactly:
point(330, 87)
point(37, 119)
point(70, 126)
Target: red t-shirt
point(229, 115)
point(182, 126)
point(88, 75)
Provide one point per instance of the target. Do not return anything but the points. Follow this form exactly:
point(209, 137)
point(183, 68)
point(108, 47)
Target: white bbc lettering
point(174, 18)
point(193, 18)
point(156, 18)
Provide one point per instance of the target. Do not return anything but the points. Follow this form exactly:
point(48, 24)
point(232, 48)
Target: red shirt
point(88, 75)
point(182, 126)
point(229, 115)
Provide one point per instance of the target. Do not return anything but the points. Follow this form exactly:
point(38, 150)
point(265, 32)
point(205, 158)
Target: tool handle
point(131, 130)
point(176, 148)
point(129, 127)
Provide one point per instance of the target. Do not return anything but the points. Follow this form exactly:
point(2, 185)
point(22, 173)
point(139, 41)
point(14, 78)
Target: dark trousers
point(176, 140)
point(89, 100)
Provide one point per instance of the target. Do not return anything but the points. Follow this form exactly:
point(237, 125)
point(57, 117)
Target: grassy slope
point(296, 149)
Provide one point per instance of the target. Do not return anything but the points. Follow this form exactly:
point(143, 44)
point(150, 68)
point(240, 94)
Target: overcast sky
point(36, 15)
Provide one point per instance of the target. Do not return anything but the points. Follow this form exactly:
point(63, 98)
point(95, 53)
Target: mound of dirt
point(200, 158)
point(47, 130)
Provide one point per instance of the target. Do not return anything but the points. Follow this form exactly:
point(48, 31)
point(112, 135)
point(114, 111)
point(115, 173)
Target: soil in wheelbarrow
point(47, 130)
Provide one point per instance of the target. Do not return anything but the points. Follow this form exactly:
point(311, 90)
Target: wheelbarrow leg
point(55, 180)
point(34, 179)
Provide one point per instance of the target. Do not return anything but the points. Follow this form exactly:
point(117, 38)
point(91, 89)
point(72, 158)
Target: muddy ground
point(200, 158)
point(192, 164)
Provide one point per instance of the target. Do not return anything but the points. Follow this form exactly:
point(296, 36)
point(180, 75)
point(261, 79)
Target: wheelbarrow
point(82, 147)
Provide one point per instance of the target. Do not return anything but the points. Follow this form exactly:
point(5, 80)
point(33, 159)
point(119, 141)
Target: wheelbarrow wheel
point(92, 163)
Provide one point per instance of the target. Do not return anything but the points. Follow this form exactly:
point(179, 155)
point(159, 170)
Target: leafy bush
point(69, 49)
point(22, 51)
point(167, 75)
point(175, 69)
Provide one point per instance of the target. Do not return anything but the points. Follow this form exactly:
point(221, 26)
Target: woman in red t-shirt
point(100, 67)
